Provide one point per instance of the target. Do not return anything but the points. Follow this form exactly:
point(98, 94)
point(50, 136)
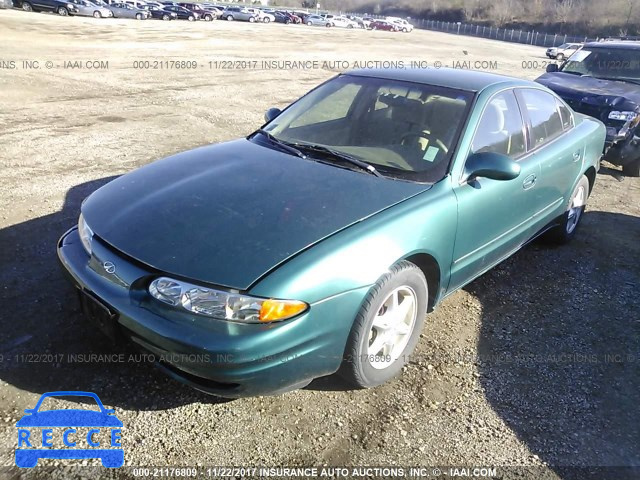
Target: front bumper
point(215, 356)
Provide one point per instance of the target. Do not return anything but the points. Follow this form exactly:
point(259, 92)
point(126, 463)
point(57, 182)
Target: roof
point(625, 44)
point(462, 79)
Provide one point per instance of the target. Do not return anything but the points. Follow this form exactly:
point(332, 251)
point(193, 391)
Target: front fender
point(357, 256)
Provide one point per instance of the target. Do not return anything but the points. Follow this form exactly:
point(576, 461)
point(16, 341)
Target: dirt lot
point(536, 364)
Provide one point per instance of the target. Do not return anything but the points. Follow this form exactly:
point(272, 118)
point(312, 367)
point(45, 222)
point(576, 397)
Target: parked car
point(335, 228)
point(182, 13)
point(90, 9)
point(262, 16)
point(209, 6)
point(61, 7)
point(124, 10)
point(403, 25)
point(202, 13)
point(384, 25)
point(283, 17)
point(603, 80)
point(563, 51)
point(238, 13)
point(317, 20)
point(359, 20)
point(160, 13)
point(341, 21)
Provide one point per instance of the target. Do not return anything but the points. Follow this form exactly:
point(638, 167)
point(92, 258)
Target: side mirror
point(552, 67)
point(491, 165)
point(271, 114)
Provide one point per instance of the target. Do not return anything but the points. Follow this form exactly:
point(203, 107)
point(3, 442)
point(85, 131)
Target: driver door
point(494, 215)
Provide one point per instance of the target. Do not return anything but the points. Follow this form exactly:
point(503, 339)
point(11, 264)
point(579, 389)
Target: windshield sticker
point(430, 154)
point(579, 56)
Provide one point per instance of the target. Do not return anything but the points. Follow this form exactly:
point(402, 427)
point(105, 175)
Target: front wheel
point(387, 327)
point(266, 20)
point(166, 17)
point(63, 12)
point(570, 219)
point(26, 6)
point(230, 18)
point(632, 169)
point(560, 57)
point(191, 18)
point(97, 14)
point(252, 19)
point(309, 24)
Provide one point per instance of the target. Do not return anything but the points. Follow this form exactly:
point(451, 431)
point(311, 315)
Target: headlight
point(223, 305)
point(625, 116)
point(86, 234)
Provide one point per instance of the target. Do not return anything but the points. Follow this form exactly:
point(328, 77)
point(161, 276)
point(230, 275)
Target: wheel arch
point(591, 175)
point(431, 270)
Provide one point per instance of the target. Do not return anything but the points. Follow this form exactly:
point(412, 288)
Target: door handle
point(576, 156)
point(529, 182)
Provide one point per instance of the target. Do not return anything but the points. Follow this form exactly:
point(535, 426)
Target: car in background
point(61, 7)
point(124, 10)
point(387, 211)
point(160, 13)
point(213, 8)
point(384, 25)
point(359, 20)
point(341, 21)
point(602, 80)
point(238, 13)
point(90, 9)
point(202, 13)
point(261, 15)
point(182, 13)
point(282, 17)
point(403, 25)
point(563, 51)
point(316, 21)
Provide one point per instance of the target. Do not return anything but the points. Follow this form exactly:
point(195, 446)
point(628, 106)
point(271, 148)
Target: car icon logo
point(85, 433)
point(109, 267)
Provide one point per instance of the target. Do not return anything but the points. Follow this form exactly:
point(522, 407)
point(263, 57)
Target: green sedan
point(319, 243)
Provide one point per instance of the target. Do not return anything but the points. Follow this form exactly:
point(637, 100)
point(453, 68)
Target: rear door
point(494, 215)
point(550, 123)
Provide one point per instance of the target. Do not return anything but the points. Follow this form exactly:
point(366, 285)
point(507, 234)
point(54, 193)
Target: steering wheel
point(427, 136)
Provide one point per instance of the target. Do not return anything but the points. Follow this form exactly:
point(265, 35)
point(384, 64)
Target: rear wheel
point(266, 20)
point(26, 6)
point(570, 220)
point(62, 11)
point(230, 18)
point(387, 327)
point(309, 23)
point(632, 169)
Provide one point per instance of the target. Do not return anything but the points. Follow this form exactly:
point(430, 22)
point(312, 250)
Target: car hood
point(608, 94)
point(226, 214)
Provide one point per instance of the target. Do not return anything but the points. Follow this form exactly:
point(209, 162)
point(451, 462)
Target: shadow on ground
point(559, 346)
point(43, 336)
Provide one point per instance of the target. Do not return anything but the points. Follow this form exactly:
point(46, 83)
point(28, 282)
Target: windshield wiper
point(279, 143)
point(339, 156)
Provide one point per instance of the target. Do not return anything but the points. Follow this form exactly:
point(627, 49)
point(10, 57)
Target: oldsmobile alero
point(318, 243)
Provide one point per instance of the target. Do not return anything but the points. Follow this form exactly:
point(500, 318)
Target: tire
point(138, 16)
point(63, 12)
point(230, 18)
point(252, 19)
point(349, 26)
point(365, 362)
point(632, 169)
point(166, 17)
point(287, 22)
point(560, 57)
point(97, 14)
point(329, 25)
point(405, 30)
point(309, 24)
point(191, 18)
point(207, 18)
point(26, 6)
point(266, 20)
point(570, 220)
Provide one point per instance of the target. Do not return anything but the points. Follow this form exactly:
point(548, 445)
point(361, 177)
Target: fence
point(540, 39)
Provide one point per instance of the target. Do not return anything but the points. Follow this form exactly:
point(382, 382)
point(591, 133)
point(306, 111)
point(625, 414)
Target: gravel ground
point(535, 364)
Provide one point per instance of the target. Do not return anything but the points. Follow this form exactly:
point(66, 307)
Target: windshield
point(403, 129)
point(609, 63)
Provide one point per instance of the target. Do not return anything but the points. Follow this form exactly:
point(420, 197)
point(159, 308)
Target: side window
point(565, 115)
point(333, 107)
point(500, 129)
point(544, 115)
